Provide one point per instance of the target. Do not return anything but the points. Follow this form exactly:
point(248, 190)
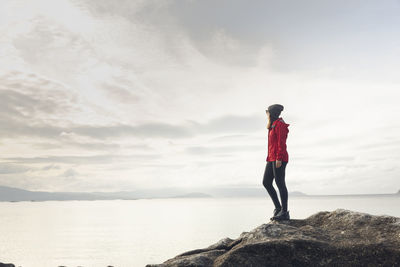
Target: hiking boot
point(282, 215)
point(276, 211)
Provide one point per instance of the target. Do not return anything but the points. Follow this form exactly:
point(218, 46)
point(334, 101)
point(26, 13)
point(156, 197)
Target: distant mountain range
point(16, 194)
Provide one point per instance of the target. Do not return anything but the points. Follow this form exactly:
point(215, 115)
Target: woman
point(277, 160)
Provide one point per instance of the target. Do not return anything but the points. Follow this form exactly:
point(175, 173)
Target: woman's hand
point(278, 163)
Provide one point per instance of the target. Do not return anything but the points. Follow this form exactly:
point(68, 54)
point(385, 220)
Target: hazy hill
point(16, 194)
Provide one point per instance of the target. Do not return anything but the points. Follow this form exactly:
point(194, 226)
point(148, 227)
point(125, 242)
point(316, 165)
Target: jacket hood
point(281, 121)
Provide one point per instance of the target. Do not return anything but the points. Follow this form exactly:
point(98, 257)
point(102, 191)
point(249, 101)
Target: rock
point(6, 264)
point(337, 238)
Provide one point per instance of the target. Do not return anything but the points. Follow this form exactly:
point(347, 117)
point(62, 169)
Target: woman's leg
point(267, 182)
point(279, 174)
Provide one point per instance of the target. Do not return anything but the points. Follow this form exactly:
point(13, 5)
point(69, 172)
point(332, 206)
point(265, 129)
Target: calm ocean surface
point(129, 233)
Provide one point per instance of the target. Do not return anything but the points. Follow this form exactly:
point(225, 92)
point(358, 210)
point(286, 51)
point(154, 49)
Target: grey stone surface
point(337, 238)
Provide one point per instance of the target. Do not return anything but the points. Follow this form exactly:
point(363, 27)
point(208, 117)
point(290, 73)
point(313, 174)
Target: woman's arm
point(281, 133)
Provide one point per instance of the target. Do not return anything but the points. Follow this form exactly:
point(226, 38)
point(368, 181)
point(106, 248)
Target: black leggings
point(279, 173)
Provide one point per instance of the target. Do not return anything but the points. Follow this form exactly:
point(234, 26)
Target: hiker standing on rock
point(277, 160)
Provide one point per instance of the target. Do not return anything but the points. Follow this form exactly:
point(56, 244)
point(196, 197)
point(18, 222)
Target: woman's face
point(267, 113)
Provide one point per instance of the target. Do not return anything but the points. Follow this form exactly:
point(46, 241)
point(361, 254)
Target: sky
point(124, 95)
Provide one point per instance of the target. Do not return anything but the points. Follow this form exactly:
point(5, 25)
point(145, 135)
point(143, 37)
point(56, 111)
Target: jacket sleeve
point(281, 132)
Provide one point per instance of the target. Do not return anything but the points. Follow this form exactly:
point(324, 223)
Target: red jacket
point(277, 135)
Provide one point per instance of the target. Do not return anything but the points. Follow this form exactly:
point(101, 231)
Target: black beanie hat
point(275, 110)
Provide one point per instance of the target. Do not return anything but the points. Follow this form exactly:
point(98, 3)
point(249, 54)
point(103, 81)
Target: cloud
point(100, 146)
point(38, 107)
point(84, 160)
point(50, 167)
point(9, 168)
point(230, 124)
point(145, 130)
point(29, 96)
point(199, 150)
point(121, 94)
point(69, 173)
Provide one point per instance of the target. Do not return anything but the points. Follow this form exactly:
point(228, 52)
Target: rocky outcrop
point(337, 238)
